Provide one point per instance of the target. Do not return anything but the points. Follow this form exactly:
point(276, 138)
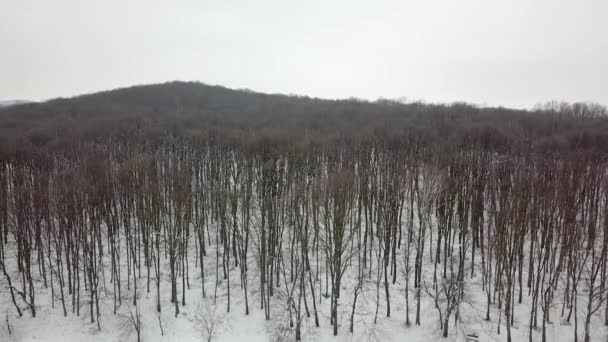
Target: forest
point(326, 218)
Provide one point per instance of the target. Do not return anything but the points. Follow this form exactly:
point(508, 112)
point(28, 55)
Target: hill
point(196, 110)
point(9, 103)
point(183, 211)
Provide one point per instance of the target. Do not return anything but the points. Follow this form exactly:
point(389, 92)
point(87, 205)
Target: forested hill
point(151, 113)
point(185, 210)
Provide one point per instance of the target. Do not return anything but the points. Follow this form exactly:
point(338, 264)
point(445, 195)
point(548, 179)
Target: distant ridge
point(193, 110)
point(9, 103)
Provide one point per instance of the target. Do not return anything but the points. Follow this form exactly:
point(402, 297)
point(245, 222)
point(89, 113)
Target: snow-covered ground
point(199, 312)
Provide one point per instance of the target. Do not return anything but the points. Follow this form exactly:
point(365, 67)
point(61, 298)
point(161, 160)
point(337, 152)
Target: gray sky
point(513, 53)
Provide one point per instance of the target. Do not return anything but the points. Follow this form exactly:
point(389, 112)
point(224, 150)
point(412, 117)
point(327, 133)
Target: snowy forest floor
point(199, 313)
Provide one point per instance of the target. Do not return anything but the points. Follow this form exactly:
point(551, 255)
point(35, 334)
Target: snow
point(51, 325)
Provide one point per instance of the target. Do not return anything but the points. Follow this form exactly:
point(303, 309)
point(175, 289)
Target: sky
point(514, 53)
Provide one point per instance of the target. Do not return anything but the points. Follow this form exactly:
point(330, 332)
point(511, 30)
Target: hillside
point(187, 212)
point(195, 110)
point(9, 103)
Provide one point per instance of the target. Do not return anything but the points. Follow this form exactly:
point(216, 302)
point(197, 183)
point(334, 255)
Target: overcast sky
point(496, 52)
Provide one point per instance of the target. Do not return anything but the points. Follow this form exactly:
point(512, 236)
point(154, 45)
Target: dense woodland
point(306, 201)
